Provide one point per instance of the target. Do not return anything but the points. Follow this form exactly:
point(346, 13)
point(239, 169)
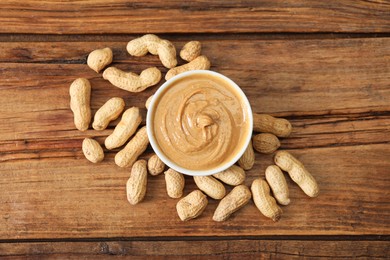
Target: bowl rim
point(155, 146)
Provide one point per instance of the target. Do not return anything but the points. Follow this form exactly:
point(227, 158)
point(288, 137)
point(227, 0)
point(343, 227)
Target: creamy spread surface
point(200, 122)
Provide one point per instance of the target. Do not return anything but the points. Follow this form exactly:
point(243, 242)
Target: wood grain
point(335, 92)
point(220, 249)
point(324, 65)
point(119, 16)
point(340, 100)
point(70, 197)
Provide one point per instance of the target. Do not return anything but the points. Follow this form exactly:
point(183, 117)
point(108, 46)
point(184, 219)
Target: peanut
point(235, 200)
point(99, 59)
point(247, 160)
point(136, 184)
point(155, 165)
point(269, 124)
point(134, 148)
point(278, 184)
point(175, 183)
point(200, 63)
point(156, 46)
point(266, 143)
point(130, 81)
point(130, 120)
point(192, 205)
point(147, 103)
point(80, 96)
point(211, 186)
point(190, 50)
point(92, 150)
point(297, 172)
point(108, 112)
point(264, 201)
point(232, 176)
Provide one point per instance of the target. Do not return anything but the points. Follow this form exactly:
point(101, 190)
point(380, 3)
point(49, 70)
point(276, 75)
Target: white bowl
point(172, 164)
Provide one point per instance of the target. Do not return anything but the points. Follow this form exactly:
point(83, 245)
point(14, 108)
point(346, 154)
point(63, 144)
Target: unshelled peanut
point(211, 186)
point(264, 201)
point(130, 81)
point(136, 184)
point(129, 123)
point(247, 160)
point(134, 148)
point(266, 143)
point(156, 46)
point(174, 183)
point(234, 201)
point(155, 165)
point(147, 103)
point(92, 150)
point(278, 184)
point(99, 59)
point(80, 96)
point(192, 205)
point(191, 50)
point(200, 63)
point(297, 172)
point(268, 124)
point(108, 112)
point(234, 175)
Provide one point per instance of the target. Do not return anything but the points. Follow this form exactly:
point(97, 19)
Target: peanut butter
point(200, 122)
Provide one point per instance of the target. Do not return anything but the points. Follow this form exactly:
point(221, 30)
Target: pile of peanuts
point(191, 206)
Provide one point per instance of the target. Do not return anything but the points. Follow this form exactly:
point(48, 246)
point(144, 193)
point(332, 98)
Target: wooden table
point(324, 65)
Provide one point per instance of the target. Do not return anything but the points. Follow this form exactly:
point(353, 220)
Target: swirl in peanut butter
point(200, 122)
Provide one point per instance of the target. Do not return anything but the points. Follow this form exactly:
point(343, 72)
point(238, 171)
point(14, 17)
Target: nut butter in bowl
point(199, 122)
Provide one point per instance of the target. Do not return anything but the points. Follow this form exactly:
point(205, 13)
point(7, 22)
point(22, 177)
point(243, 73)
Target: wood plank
point(67, 197)
point(119, 16)
point(330, 131)
point(34, 38)
point(338, 98)
point(220, 249)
